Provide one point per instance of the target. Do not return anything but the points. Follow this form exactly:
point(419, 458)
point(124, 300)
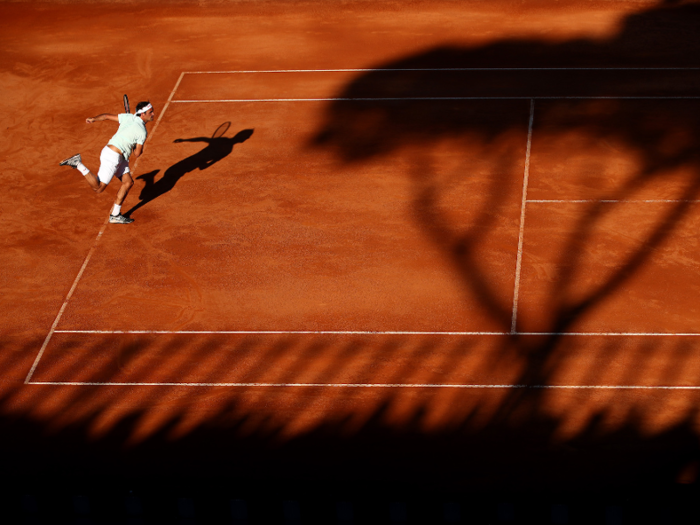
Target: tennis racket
point(126, 104)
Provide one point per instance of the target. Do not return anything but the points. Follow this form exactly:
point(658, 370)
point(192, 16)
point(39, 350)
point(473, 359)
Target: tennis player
point(125, 145)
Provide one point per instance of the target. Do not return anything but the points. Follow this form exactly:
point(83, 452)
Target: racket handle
point(126, 104)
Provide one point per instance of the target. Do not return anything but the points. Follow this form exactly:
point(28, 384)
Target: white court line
point(90, 252)
point(167, 103)
point(372, 385)
point(633, 201)
point(274, 332)
point(377, 385)
point(390, 70)
point(65, 303)
point(521, 233)
point(370, 332)
point(532, 98)
point(398, 99)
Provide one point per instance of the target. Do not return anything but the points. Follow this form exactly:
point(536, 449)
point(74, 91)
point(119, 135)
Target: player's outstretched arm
point(104, 116)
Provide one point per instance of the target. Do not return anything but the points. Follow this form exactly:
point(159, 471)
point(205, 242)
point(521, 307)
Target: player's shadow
point(217, 148)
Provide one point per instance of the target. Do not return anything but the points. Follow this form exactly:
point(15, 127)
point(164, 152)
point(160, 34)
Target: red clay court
point(430, 245)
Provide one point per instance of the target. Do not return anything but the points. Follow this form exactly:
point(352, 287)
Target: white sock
point(82, 169)
point(117, 209)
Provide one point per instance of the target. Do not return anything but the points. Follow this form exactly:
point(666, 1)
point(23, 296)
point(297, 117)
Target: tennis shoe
point(120, 219)
point(71, 161)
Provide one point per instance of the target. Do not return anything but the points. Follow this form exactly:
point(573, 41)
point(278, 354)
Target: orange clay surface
point(399, 215)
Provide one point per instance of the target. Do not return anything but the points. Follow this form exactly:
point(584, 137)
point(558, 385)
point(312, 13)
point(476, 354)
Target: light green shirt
point(132, 131)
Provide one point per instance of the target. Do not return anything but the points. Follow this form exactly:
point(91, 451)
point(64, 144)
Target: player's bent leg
point(127, 184)
point(116, 216)
point(109, 165)
point(73, 161)
point(96, 184)
point(76, 162)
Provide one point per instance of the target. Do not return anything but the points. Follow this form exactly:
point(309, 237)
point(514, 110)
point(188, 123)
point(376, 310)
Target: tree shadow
point(383, 437)
point(217, 148)
point(635, 90)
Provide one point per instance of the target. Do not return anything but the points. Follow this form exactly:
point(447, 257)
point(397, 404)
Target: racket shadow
point(217, 148)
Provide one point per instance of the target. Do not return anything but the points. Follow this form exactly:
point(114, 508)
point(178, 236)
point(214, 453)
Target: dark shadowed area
point(651, 111)
point(503, 454)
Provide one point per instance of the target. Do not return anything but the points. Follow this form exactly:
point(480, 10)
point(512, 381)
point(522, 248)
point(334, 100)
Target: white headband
point(143, 110)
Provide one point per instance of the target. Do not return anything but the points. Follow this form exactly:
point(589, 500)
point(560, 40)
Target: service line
point(427, 99)
point(391, 70)
point(378, 385)
point(374, 332)
point(632, 201)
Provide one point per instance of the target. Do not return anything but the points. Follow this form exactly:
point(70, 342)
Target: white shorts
point(112, 164)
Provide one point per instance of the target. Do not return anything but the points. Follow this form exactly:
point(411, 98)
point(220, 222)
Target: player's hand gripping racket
point(126, 104)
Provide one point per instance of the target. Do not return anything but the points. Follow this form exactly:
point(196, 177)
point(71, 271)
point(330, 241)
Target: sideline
point(91, 251)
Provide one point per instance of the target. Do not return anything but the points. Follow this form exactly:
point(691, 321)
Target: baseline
point(369, 332)
point(347, 359)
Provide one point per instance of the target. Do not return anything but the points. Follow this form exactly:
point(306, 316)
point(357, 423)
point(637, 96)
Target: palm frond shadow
point(420, 437)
